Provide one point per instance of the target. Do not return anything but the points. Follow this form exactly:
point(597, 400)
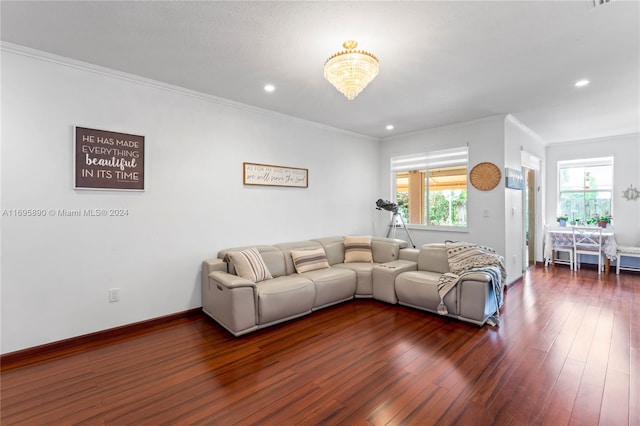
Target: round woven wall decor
point(485, 176)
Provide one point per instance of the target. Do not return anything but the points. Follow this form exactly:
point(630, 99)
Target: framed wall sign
point(514, 178)
point(267, 174)
point(108, 160)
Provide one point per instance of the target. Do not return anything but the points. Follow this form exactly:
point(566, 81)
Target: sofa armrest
point(230, 281)
point(210, 265)
point(231, 300)
point(476, 276)
point(476, 298)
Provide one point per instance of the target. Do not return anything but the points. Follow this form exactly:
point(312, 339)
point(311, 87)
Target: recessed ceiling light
point(269, 88)
point(389, 127)
point(582, 83)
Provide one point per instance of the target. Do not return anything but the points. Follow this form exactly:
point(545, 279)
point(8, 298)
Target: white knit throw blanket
point(468, 257)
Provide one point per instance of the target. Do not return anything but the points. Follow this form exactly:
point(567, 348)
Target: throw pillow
point(357, 249)
point(250, 265)
point(309, 260)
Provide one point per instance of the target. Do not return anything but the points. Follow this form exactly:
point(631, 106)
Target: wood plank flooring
point(567, 352)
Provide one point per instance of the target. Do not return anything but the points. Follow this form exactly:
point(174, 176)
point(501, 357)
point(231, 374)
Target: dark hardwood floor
point(567, 352)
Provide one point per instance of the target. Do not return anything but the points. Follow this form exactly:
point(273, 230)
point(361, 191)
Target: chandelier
point(351, 70)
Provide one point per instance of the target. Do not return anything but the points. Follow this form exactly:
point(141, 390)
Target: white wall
point(56, 271)
point(626, 152)
point(486, 143)
point(519, 138)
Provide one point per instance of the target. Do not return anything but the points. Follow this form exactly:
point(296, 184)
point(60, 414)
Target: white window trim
point(584, 162)
point(425, 161)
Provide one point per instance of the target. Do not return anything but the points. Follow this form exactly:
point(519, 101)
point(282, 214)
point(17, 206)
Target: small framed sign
point(269, 175)
point(108, 160)
point(514, 178)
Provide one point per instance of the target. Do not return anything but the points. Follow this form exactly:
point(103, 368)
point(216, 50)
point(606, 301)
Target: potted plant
point(562, 219)
point(604, 220)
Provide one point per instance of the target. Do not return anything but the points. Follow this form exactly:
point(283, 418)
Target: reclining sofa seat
point(240, 305)
point(332, 285)
point(472, 300)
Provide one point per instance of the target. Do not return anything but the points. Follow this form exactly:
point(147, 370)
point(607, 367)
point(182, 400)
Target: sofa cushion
point(249, 264)
point(433, 257)
point(419, 289)
point(364, 274)
point(332, 285)
point(357, 249)
point(286, 249)
point(385, 249)
point(272, 257)
point(334, 248)
point(284, 298)
point(309, 260)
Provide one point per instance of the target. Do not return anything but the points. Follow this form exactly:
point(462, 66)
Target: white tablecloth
point(559, 237)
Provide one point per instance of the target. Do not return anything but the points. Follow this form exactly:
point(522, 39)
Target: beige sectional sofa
point(394, 273)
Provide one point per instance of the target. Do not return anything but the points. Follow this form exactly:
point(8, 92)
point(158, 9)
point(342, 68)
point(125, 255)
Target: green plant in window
point(447, 208)
point(402, 198)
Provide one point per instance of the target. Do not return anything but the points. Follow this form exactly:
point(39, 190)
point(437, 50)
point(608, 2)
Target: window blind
point(428, 160)
point(589, 162)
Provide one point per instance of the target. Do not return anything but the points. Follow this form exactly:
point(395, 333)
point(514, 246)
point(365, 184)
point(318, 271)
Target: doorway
point(529, 217)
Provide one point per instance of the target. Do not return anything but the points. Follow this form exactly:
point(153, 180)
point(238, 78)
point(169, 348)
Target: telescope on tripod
point(393, 225)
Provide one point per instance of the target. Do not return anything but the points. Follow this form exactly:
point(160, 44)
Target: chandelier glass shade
point(351, 70)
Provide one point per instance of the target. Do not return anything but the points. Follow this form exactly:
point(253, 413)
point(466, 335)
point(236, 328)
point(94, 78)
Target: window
point(584, 188)
point(431, 188)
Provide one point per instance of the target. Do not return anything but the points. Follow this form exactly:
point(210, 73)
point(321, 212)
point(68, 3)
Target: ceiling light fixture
point(582, 83)
point(269, 88)
point(389, 127)
point(351, 70)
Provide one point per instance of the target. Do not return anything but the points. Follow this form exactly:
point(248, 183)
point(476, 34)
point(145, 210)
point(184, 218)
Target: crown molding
point(135, 79)
point(445, 127)
point(513, 120)
point(599, 139)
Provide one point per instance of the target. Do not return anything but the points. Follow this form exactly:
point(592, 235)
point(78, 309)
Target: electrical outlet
point(114, 294)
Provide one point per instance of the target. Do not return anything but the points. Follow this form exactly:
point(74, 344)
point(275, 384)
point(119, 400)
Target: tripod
point(393, 225)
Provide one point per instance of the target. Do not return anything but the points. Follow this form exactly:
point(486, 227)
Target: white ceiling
point(440, 62)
